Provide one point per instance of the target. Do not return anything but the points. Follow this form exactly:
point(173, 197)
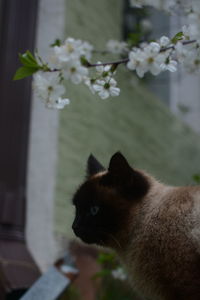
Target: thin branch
point(118, 62)
point(125, 60)
point(173, 47)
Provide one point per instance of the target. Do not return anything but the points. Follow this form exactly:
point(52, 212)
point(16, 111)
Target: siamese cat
point(155, 228)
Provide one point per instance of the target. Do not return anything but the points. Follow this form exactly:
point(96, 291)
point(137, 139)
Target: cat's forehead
point(91, 190)
point(85, 192)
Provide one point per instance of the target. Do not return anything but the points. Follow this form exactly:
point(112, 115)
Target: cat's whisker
point(116, 241)
point(113, 239)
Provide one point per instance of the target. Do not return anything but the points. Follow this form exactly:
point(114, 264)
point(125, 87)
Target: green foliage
point(71, 293)
point(106, 257)
point(29, 66)
point(84, 61)
point(57, 42)
point(196, 178)
point(108, 262)
point(23, 72)
point(101, 274)
point(134, 39)
point(27, 59)
point(111, 288)
point(136, 36)
point(177, 37)
point(115, 289)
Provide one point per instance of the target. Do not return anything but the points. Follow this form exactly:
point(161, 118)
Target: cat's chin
point(89, 237)
point(90, 240)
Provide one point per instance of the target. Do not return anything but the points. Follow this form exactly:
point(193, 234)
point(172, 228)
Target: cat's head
point(104, 202)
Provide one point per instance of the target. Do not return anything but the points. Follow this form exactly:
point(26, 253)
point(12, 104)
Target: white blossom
point(182, 52)
point(192, 61)
point(86, 50)
point(72, 49)
point(74, 71)
point(136, 3)
point(106, 88)
point(169, 64)
point(188, 56)
point(119, 274)
point(170, 6)
point(49, 90)
point(146, 25)
point(159, 4)
point(116, 47)
point(58, 104)
point(104, 71)
point(137, 61)
point(89, 82)
point(71, 59)
point(152, 58)
point(190, 32)
point(155, 3)
point(164, 41)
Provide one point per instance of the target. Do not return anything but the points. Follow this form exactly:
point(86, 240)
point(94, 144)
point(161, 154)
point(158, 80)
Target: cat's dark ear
point(93, 166)
point(119, 166)
point(130, 182)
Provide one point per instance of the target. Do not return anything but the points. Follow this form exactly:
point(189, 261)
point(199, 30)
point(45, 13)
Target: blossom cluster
point(191, 6)
point(150, 58)
point(187, 54)
point(104, 84)
point(163, 55)
point(189, 9)
point(71, 60)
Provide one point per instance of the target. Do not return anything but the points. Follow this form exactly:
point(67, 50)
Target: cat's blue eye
point(94, 210)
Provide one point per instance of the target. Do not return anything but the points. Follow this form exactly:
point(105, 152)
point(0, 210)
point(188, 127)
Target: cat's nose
point(76, 229)
point(74, 226)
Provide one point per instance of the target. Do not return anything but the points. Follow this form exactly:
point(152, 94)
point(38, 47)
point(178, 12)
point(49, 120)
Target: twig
point(118, 62)
point(125, 60)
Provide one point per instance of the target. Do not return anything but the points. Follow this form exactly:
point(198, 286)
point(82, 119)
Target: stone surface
point(86, 262)
point(48, 287)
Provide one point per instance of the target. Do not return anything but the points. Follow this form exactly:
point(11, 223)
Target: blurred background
point(154, 122)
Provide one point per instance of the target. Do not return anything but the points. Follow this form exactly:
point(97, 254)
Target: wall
point(185, 89)
point(43, 149)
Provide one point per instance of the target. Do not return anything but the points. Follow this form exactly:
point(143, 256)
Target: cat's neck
point(144, 209)
point(157, 193)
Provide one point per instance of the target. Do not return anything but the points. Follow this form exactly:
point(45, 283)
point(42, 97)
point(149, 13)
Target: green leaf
point(57, 42)
point(177, 37)
point(84, 61)
point(102, 273)
point(24, 72)
point(27, 59)
point(113, 68)
point(106, 257)
point(134, 39)
point(196, 178)
point(30, 56)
